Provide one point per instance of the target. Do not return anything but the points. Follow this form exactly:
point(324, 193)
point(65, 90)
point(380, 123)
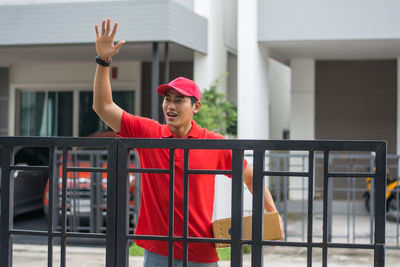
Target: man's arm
point(269, 204)
point(103, 103)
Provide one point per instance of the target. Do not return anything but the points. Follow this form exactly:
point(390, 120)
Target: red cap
point(182, 85)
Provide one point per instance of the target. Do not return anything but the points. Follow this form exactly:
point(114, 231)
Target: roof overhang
point(69, 28)
point(284, 51)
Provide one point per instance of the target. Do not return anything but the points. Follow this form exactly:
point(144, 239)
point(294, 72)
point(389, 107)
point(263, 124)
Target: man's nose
point(171, 105)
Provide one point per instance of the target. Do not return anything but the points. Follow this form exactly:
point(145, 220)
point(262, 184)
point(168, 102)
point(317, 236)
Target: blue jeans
point(152, 259)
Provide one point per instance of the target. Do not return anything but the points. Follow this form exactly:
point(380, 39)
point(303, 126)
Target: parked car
point(86, 192)
point(29, 185)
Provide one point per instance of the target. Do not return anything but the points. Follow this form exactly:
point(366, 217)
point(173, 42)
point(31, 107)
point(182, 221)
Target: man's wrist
point(103, 62)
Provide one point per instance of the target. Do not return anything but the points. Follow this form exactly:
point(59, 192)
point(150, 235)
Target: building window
point(44, 113)
point(89, 122)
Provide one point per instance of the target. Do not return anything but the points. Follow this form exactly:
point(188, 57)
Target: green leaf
point(217, 113)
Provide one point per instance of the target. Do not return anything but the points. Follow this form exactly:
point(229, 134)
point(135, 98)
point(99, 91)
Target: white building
point(313, 69)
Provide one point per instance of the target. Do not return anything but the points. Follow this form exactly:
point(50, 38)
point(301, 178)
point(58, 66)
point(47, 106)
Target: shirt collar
point(193, 133)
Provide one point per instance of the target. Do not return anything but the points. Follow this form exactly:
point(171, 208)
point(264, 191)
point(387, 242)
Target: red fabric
point(153, 214)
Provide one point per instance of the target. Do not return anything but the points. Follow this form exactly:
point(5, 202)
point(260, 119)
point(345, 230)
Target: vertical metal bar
point(122, 248)
point(155, 72)
point(64, 205)
point(93, 195)
point(325, 211)
point(278, 182)
point(397, 212)
point(258, 209)
point(285, 204)
point(166, 62)
point(7, 206)
point(371, 201)
point(330, 208)
point(111, 233)
point(52, 208)
point(137, 183)
point(171, 208)
point(303, 212)
point(185, 206)
point(310, 206)
point(353, 204)
point(380, 206)
point(237, 208)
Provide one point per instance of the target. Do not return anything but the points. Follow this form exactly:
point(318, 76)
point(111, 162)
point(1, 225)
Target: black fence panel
point(117, 236)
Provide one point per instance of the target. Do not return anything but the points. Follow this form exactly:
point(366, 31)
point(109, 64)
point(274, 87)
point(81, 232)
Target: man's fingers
point(120, 43)
point(108, 26)
point(96, 28)
point(103, 27)
point(114, 30)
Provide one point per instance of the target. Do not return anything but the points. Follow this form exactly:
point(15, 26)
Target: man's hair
point(193, 99)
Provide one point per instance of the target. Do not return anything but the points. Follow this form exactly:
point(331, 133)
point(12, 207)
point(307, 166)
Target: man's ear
point(197, 107)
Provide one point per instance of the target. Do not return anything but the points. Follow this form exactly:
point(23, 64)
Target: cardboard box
point(222, 228)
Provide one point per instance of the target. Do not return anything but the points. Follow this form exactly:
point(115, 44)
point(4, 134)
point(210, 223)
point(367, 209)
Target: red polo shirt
point(153, 214)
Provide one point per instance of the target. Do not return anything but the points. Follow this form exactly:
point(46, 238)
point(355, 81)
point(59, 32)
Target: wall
point(221, 39)
point(328, 20)
point(357, 100)
point(302, 99)
point(279, 92)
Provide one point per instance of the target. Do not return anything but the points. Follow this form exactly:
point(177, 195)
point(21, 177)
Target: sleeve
point(136, 126)
point(225, 160)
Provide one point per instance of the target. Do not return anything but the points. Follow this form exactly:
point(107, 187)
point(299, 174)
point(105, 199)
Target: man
point(182, 99)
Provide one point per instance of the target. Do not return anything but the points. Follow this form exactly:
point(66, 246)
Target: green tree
point(217, 113)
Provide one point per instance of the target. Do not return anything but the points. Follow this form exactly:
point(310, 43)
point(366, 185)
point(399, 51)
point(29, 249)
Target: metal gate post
point(7, 206)
point(380, 207)
point(122, 206)
point(257, 251)
point(111, 234)
point(310, 207)
point(237, 208)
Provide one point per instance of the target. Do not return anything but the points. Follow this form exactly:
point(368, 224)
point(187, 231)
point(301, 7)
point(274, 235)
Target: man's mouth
point(172, 114)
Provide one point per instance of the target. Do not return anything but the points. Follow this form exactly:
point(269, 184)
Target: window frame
point(75, 88)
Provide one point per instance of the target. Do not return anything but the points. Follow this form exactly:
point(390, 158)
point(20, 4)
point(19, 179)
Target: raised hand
point(105, 41)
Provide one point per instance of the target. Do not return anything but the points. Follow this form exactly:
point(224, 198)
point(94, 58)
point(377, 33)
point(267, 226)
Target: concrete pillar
point(253, 91)
point(302, 122)
point(302, 111)
point(207, 68)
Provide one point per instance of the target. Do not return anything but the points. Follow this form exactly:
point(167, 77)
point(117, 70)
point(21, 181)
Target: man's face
point(178, 109)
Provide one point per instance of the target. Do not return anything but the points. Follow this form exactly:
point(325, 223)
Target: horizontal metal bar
point(86, 235)
point(291, 174)
point(224, 172)
point(29, 168)
point(347, 245)
point(208, 240)
point(147, 237)
point(29, 232)
point(144, 170)
point(287, 145)
point(56, 234)
point(79, 169)
point(292, 145)
point(351, 174)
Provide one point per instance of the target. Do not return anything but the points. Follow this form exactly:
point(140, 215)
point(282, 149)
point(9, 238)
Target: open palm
point(105, 41)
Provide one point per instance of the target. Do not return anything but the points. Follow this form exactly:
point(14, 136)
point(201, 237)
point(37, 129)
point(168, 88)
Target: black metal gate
point(117, 236)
